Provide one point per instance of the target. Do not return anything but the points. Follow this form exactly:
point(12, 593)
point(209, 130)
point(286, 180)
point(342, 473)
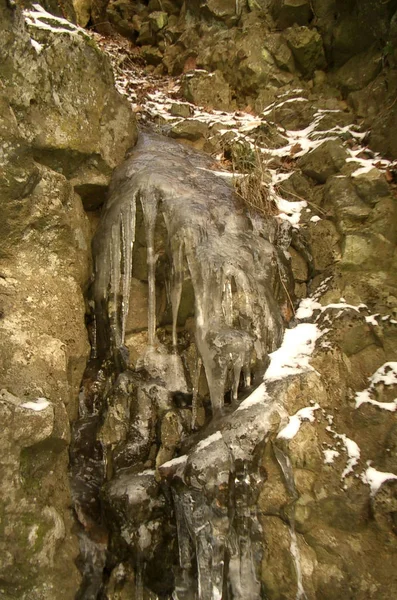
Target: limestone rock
point(280, 51)
point(371, 186)
point(289, 12)
point(207, 89)
point(190, 129)
point(324, 242)
point(367, 251)
point(158, 20)
point(44, 95)
point(359, 71)
point(324, 161)
point(307, 47)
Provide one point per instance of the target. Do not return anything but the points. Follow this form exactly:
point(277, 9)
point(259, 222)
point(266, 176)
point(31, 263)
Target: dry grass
point(253, 187)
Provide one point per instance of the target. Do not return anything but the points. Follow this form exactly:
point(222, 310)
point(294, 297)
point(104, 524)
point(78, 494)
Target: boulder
point(44, 95)
point(367, 251)
point(289, 12)
point(324, 161)
point(359, 71)
point(307, 47)
point(207, 89)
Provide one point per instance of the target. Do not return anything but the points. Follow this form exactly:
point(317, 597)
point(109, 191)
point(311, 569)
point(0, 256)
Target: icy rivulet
point(190, 221)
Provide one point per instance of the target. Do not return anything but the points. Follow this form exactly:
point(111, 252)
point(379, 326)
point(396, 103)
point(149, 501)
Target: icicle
point(196, 380)
point(176, 287)
point(227, 302)
point(149, 208)
point(128, 239)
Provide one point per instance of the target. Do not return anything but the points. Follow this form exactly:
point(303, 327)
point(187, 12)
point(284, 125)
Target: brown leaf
point(190, 64)
point(295, 148)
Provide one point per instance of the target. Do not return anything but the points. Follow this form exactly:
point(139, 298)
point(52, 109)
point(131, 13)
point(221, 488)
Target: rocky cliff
point(203, 405)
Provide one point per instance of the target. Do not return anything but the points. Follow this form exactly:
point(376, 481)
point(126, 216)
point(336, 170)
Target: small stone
point(181, 110)
point(190, 129)
point(158, 20)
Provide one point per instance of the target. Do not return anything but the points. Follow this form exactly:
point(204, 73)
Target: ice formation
point(192, 221)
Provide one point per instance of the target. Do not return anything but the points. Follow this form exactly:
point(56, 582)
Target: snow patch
point(294, 354)
point(215, 437)
point(37, 405)
point(386, 375)
point(376, 478)
point(294, 423)
point(330, 455)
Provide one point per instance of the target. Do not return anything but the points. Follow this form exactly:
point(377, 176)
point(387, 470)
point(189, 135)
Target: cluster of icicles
point(233, 266)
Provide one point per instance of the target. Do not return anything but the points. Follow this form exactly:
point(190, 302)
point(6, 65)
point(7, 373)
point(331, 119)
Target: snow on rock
point(295, 351)
point(36, 405)
point(386, 375)
point(306, 308)
point(257, 396)
point(352, 450)
point(371, 319)
point(330, 455)
point(295, 421)
point(376, 478)
point(215, 437)
point(41, 19)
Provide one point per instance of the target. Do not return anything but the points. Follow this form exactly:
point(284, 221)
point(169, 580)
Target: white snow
point(293, 355)
point(315, 219)
point(376, 478)
point(37, 405)
point(386, 375)
point(306, 308)
point(215, 437)
point(295, 421)
point(365, 397)
point(353, 452)
point(371, 319)
point(330, 455)
point(38, 47)
point(41, 19)
point(179, 460)
point(259, 395)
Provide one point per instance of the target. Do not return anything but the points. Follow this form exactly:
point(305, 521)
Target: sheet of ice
point(295, 351)
point(376, 478)
point(295, 421)
point(37, 405)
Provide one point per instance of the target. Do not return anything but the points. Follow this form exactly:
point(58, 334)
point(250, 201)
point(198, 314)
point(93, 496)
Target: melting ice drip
point(233, 267)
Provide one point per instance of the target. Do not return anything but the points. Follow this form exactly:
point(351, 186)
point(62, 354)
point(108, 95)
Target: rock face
point(55, 132)
point(186, 482)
